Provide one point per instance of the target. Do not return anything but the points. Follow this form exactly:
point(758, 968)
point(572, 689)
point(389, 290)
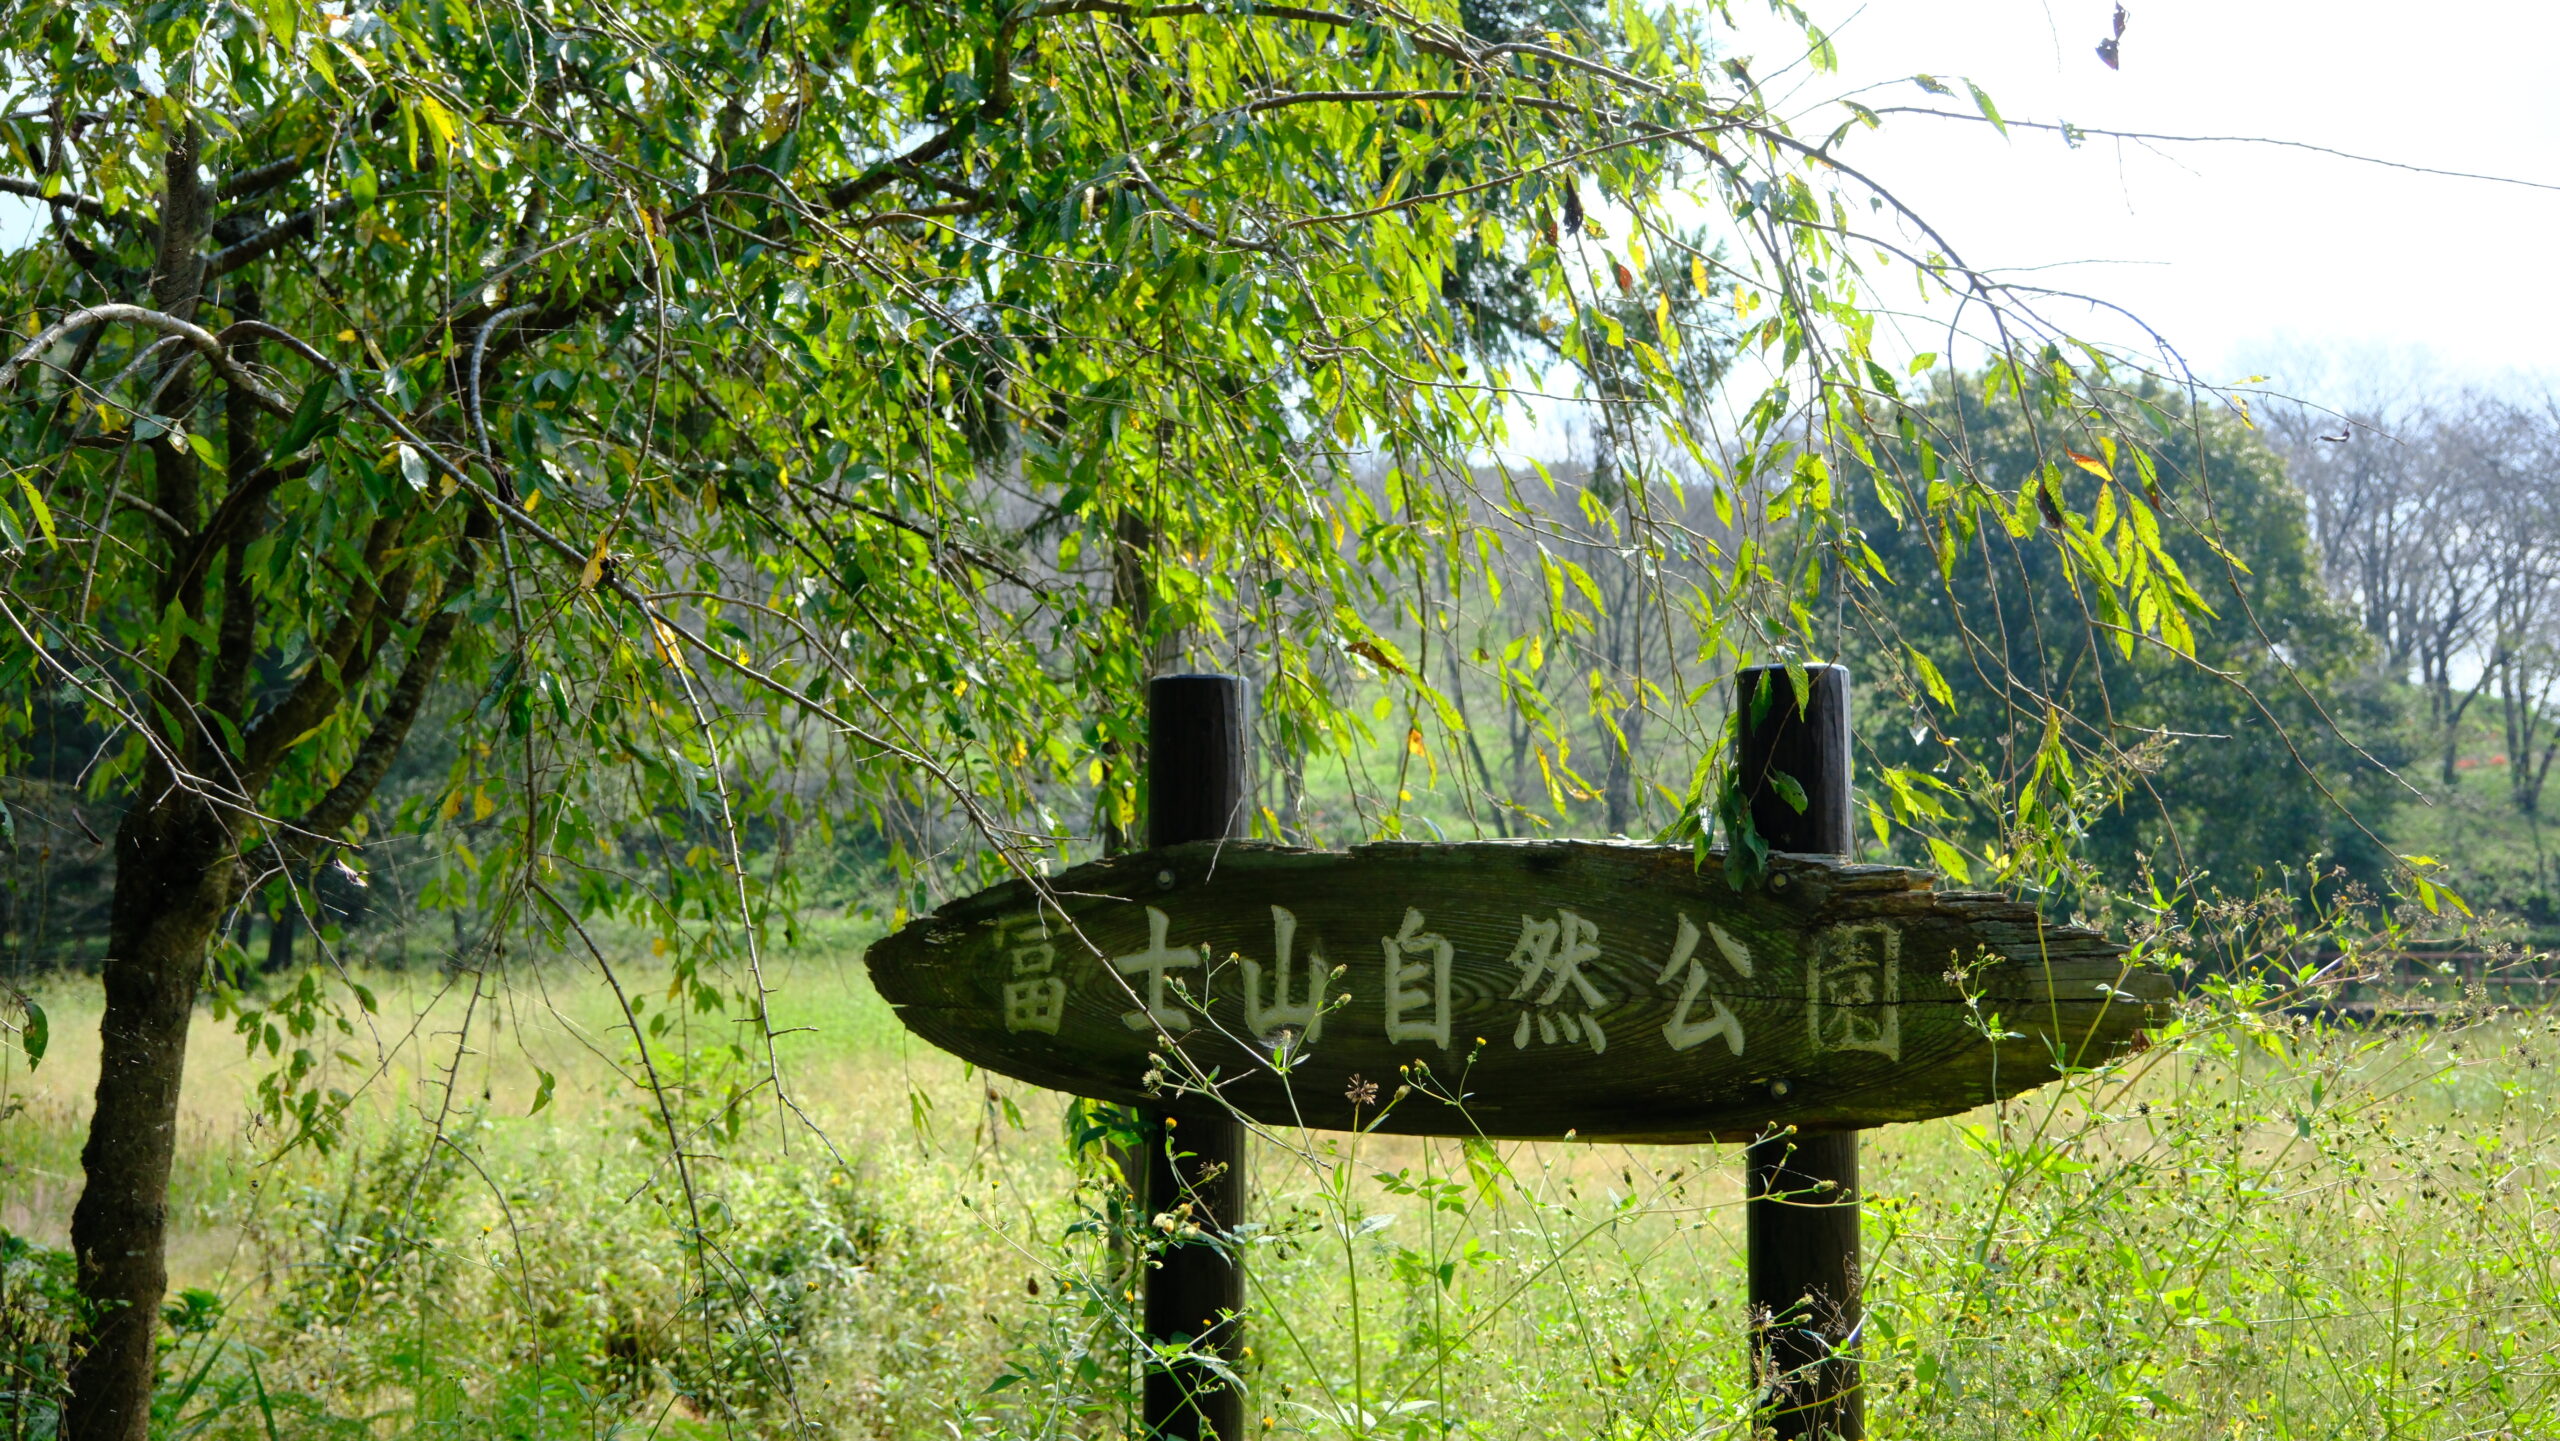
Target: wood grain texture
point(1198, 789)
point(1807, 744)
point(1836, 996)
point(1801, 1213)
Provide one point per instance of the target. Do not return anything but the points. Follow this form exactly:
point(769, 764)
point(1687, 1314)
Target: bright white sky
point(2328, 275)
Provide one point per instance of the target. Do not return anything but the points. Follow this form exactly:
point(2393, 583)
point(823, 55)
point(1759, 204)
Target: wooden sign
point(1617, 991)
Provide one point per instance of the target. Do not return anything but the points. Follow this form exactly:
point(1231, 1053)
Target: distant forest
point(2378, 676)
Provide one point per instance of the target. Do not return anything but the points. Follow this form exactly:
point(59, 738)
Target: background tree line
point(2438, 522)
point(1549, 691)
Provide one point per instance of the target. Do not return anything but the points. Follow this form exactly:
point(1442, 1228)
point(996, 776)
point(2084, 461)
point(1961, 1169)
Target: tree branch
point(844, 195)
point(202, 340)
point(299, 226)
point(390, 731)
point(1424, 41)
point(342, 659)
point(34, 190)
point(921, 212)
point(236, 655)
point(260, 178)
point(2073, 132)
point(999, 97)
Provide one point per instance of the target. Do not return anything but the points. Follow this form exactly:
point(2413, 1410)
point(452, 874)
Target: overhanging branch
point(204, 341)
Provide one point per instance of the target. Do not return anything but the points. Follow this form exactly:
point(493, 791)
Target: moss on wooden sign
point(1518, 988)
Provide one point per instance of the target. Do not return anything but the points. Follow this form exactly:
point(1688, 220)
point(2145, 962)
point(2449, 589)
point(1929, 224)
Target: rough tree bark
point(175, 859)
point(207, 787)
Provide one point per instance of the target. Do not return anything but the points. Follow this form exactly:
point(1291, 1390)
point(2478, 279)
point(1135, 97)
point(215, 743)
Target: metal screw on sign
point(1801, 1212)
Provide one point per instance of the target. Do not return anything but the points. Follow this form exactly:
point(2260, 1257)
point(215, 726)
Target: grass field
point(2256, 1228)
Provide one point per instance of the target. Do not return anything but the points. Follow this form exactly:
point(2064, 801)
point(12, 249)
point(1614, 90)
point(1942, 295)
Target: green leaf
point(543, 1083)
point(1789, 791)
point(1989, 111)
point(501, 681)
point(43, 512)
point(1485, 1167)
point(1818, 49)
point(1950, 860)
point(311, 419)
point(36, 1035)
point(1930, 679)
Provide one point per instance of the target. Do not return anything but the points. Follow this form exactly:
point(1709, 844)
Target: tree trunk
point(2453, 713)
point(1617, 789)
point(1483, 782)
point(175, 855)
point(280, 940)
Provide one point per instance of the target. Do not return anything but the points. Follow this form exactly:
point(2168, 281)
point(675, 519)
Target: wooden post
point(1197, 789)
point(1839, 975)
point(1801, 1212)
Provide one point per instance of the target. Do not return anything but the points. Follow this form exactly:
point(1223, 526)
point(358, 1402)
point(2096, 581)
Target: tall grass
point(2265, 1225)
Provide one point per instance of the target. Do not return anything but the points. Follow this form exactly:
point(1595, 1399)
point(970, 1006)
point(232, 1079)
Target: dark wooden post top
point(1197, 787)
point(1808, 747)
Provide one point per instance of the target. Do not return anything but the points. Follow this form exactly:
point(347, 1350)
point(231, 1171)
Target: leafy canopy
point(714, 390)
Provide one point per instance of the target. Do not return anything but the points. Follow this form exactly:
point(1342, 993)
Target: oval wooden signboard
point(1618, 991)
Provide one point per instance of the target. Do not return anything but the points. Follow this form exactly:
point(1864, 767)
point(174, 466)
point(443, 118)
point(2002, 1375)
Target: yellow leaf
point(667, 643)
point(439, 118)
point(1950, 860)
point(1413, 740)
point(1931, 679)
point(2091, 464)
point(44, 512)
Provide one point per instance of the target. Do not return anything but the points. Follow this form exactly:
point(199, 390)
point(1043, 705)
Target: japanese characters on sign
point(1531, 988)
point(1035, 996)
point(1564, 991)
